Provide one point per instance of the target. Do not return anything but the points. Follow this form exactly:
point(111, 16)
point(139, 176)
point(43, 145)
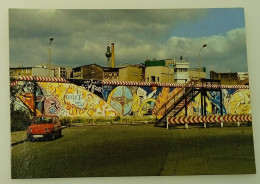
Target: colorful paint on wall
point(237, 102)
point(72, 100)
point(52, 105)
point(94, 86)
point(65, 99)
point(121, 99)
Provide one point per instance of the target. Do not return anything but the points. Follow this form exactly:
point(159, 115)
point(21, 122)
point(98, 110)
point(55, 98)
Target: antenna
point(108, 53)
point(107, 34)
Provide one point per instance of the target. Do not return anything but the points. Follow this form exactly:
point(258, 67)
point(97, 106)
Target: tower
point(112, 55)
point(108, 53)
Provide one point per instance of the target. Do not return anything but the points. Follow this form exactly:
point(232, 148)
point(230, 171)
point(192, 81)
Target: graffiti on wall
point(66, 99)
point(71, 100)
point(131, 100)
point(52, 105)
point(237, 101)
point(94, 86)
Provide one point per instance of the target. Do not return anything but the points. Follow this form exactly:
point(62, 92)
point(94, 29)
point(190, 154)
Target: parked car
point(45, 127)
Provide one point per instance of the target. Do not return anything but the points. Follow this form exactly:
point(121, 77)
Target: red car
point(44, 126)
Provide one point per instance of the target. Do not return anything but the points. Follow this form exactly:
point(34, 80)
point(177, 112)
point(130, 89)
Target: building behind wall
point(64, 72)
point(159, 71)
point(92, 71)
point(242, 76)
point(16, 72)
point(230, 78)
point(131, 73)
point(181, 72)
point(110, 73)
point(59, 71)
point(195, 73)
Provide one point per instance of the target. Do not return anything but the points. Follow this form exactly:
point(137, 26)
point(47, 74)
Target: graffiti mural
point(71, 100)
point(194, 108)
point(94, 86)
point(52, 105)
point(90, 98)
point(27, 99)
point(237, 101)
point(106, 91)
point(131, 100)
point(121, 99)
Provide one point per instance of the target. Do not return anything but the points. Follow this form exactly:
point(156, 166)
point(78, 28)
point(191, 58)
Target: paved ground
point(122, 150)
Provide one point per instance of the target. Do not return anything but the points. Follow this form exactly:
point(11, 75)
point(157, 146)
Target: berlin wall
point(91, 98)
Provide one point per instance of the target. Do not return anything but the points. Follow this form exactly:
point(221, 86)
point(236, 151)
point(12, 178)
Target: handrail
point(186, 85)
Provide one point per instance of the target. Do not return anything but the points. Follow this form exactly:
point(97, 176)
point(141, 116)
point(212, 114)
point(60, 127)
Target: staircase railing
point(188, 88)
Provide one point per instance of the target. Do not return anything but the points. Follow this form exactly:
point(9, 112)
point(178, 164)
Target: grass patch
point(73, 121)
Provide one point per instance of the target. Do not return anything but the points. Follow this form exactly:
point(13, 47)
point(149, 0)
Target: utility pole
point(49, 72)
point(34, 95)
point(199, 68)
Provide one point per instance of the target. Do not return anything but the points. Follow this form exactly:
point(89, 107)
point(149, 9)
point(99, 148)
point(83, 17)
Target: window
point(43, 120)
point(152, 78)
point(158, 79)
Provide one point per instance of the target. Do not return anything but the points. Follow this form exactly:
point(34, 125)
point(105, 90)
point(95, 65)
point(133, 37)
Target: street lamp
point(199, 68)
point(51, 39)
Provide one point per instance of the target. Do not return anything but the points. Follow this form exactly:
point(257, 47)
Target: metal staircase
point(189, 93)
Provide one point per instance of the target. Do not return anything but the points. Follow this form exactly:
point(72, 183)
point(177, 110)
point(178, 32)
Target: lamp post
point(49, 72)
point(204, 45)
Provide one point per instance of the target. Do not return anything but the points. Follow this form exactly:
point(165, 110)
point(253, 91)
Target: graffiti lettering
point(73, 97)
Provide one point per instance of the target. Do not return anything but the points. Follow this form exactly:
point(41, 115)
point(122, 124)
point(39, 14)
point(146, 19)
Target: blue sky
point(80, 36)
point(217, 21)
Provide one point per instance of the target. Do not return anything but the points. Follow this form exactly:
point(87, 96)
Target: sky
point(80, 36)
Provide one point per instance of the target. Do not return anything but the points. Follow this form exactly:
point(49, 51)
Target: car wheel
point(29, 138)
point(60, 134)
point(52, 136)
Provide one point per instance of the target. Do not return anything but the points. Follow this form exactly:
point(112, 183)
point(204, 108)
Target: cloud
point(223, 52)
point(80, 38)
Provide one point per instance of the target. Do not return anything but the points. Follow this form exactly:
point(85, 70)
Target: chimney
point(113, 55)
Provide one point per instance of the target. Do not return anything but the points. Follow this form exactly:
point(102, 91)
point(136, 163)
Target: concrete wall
point(71, 100)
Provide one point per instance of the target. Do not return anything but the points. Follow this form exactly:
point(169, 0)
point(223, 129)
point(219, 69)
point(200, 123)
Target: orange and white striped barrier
point(176, 85)
point(209, 119)
point(38, 79)
point(42, 79)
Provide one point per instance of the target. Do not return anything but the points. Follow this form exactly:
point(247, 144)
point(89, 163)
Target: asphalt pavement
point(140, 150)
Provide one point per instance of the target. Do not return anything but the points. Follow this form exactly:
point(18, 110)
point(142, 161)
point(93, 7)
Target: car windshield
point(43, 120)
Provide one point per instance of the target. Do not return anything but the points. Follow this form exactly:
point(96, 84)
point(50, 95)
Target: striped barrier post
point(186, 125)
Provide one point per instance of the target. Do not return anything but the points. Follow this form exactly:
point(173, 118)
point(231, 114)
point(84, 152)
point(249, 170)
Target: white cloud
point(223, 52)
point(80, 37)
